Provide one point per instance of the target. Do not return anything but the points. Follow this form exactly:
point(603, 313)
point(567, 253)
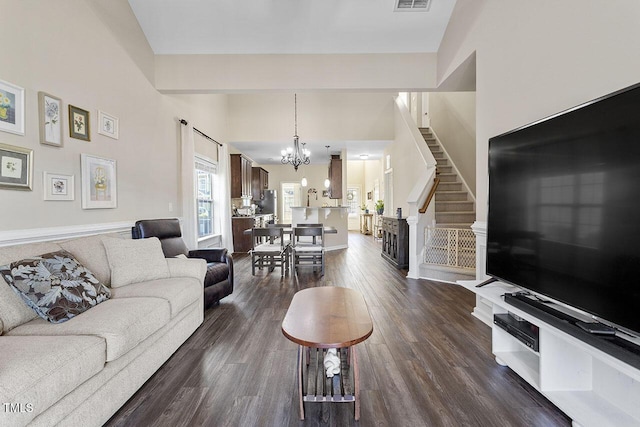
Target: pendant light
point(327, 182)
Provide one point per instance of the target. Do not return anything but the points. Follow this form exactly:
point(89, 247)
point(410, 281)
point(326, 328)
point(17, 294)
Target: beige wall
point(321, 116)
point(407, 166)
point(70, 49)
point(453, 118)
point(244, 73)
point(536, 59)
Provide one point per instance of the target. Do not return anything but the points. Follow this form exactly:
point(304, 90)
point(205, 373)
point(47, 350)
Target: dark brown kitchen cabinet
point(240, 176)
point(259, 183)
point(335, 177)
point(241, 241)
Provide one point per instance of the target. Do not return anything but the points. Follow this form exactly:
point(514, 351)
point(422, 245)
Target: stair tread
point(456, 212)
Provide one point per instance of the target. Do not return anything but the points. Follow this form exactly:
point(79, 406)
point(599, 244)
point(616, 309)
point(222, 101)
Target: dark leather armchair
point(218, 282)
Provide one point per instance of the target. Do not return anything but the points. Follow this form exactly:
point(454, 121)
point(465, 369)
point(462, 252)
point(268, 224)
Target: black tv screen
point(564, 208)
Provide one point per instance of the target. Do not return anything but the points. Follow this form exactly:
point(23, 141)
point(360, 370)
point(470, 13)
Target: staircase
point(455, 211)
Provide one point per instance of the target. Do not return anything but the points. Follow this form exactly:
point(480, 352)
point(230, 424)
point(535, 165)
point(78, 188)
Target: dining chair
point(286, 235)
point(272, 253)
point(308, 254)
point(313, 239)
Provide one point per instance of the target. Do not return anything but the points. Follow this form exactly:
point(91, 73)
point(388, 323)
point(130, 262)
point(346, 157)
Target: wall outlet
point(170, 207)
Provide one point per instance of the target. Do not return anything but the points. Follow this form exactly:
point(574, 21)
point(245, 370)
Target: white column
point(483, 309)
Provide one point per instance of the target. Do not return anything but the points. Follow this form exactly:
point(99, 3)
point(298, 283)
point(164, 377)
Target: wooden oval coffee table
point(323, 318)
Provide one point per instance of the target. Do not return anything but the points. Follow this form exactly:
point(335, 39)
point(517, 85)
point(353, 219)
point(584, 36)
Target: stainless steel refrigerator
point(269, 204)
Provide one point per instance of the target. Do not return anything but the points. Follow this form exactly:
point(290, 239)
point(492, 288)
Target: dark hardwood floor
point(428, 362)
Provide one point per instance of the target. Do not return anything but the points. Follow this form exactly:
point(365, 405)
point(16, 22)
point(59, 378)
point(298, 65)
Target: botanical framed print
point(108, 125)
point(50, 111)
point(16, 167)
point(58, 186)
point(11, 108)
point(79, 127)
point(99, 183)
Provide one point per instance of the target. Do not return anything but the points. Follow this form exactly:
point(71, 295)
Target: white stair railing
point(451, 247)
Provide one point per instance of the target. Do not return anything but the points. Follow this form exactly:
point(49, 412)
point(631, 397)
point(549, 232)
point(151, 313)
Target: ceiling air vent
point(412, 5)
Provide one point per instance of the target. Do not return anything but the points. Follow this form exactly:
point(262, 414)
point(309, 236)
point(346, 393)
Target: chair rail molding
point(32, 235)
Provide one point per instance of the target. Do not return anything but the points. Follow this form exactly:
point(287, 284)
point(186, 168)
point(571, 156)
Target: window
point(205, 177)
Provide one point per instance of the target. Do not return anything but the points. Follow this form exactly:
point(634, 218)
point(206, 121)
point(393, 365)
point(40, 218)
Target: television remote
point(596, 328)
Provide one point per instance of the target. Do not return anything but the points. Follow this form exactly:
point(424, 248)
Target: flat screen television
point(564, 208)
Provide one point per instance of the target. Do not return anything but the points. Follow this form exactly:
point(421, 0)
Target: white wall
point(71, 49)
point(453, 118)
point(536, 59)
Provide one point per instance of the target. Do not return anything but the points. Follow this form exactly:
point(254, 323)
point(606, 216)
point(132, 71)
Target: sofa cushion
point(91, 253)
point(39, 371)
point(180, 293)
point(133, 261)
point(187, 267)
point(55, 285)
point(122, 322)
point(13, 311)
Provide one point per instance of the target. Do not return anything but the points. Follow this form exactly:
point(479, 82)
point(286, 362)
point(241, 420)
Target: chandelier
point(295, 155)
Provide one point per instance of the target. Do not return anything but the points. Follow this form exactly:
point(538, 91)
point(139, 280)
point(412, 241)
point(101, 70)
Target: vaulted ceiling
point(290, 26)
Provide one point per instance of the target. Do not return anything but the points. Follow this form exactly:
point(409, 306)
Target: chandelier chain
point(296, 156)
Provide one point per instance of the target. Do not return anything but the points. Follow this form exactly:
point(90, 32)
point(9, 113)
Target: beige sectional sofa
point(81, 371)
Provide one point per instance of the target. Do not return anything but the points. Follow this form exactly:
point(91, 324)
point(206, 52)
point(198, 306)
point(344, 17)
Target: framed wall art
point(99, 182)
point(50, 111)
point(16, 167)
point(58, 186)
point(79, 126)
point(108, 125)
point(11, 108)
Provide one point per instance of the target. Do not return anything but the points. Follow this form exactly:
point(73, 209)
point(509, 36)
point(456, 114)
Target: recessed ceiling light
point(364, 156)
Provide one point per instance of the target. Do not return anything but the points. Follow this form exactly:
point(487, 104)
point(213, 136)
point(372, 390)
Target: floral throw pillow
point(55, 285)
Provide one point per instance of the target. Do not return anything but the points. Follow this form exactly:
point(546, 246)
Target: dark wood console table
point(395, 241)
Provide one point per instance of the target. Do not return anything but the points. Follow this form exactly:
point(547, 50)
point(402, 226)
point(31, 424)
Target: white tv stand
point(590, 386)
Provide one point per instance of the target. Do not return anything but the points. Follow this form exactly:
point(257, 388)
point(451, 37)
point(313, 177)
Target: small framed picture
point(11, 108)
point(99, 183)
point(50, 111)
point(16, 167)
point(107, 125)
point(79, 126)
point(58, 186)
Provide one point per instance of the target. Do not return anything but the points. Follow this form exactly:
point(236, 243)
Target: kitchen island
point(336, 217)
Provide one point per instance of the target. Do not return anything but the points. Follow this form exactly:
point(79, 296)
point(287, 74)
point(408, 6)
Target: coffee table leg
point(356, 381)
point(300, 352)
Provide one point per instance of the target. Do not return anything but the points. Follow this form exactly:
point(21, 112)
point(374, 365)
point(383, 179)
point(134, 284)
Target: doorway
point(290, 197)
